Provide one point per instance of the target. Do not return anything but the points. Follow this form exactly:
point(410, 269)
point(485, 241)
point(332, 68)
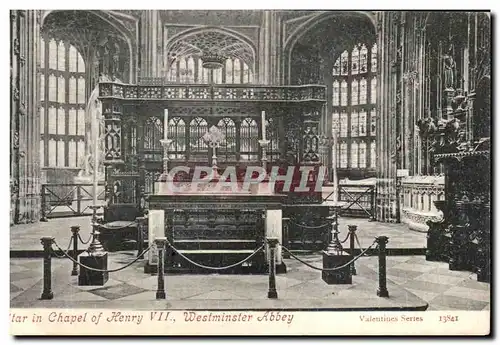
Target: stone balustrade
point(417, 201)
point(150, 90)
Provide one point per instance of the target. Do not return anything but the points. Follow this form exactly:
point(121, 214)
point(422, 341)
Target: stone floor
point(412, 281)
point(26, 237)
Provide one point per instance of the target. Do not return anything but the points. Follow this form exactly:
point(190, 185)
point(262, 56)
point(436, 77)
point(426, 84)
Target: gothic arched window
point(198, 127)
point(177, 132)
point(189, 70)
point(353, 104)
point(249, 134)
point(61, 94)
point(227, 148)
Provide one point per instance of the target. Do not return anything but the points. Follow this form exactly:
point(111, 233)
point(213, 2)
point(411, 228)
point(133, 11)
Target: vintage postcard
point(250, 172)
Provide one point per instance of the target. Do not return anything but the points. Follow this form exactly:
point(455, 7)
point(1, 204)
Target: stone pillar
point(388, 110)
point(268, 62)
point(150, 44)
point(25, 117)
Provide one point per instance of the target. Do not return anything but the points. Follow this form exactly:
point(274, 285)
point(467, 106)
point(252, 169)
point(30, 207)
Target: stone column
point(25, 117)
point(269, 49)
point(150, 44)
point(388, 109)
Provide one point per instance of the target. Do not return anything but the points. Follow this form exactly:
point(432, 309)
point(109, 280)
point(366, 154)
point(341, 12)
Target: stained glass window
point(362, 154)
point(52, 88)
point(197, 129)
point(355, 61)
point(229, 71)
point(58, 77)
point(72, 90)
point(81, 122)
point(354, 124)
point(374, 58)
point(373, 123)
point(182, 70)
point(363, 59)
point(336, 93)
point(61, 122)
point(343, 154)
point(362, 91)
point(72, 122)
point(72, 153)
point(73, 59)
point(52, 120)
point(356, 119)
point(355, 92)
point(249, 133)
point(227, 148)
point(343, 124)
point(273, 136)
point(335, 123)
point(237, 71)
point(177, 132)
point(373, 90)
point(343, 93)
point(61, 89)
point(362, 123)
point(344, 58)
point(61, 57)
point(354, 154)
point(336, 67)
point(52, 54)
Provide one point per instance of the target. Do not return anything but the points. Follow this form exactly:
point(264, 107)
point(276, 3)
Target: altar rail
point(241, 93)
point(417, 202)
point(69, 199)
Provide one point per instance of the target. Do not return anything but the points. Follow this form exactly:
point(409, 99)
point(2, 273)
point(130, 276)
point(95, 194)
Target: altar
point(215, 226)
point(153, 128)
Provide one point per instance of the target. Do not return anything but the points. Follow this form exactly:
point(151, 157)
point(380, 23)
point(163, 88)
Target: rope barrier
point(359, 244)
point(215, 268)
point(81, 240)
point(329, 269)
point(64, 252)
point(310, 227)
point(99, 270)
point(346, 238)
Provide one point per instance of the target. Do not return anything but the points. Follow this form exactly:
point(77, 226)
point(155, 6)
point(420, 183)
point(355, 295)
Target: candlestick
point(263, 114)
point(165, 124)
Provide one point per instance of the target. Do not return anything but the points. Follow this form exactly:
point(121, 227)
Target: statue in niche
point(449, 69)
point(116, 62)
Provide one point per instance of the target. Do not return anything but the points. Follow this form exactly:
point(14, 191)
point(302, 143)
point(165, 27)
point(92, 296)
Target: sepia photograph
point(250, 172)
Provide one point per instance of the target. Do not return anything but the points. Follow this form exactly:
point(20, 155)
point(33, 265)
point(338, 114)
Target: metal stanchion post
point(352, 237)
point(47, 268)
point(272, 293)
point(74, 230)
point(382, 267)
point(160, 244)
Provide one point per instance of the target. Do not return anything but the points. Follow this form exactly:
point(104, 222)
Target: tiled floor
point(300, 287)
point(27, 236)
